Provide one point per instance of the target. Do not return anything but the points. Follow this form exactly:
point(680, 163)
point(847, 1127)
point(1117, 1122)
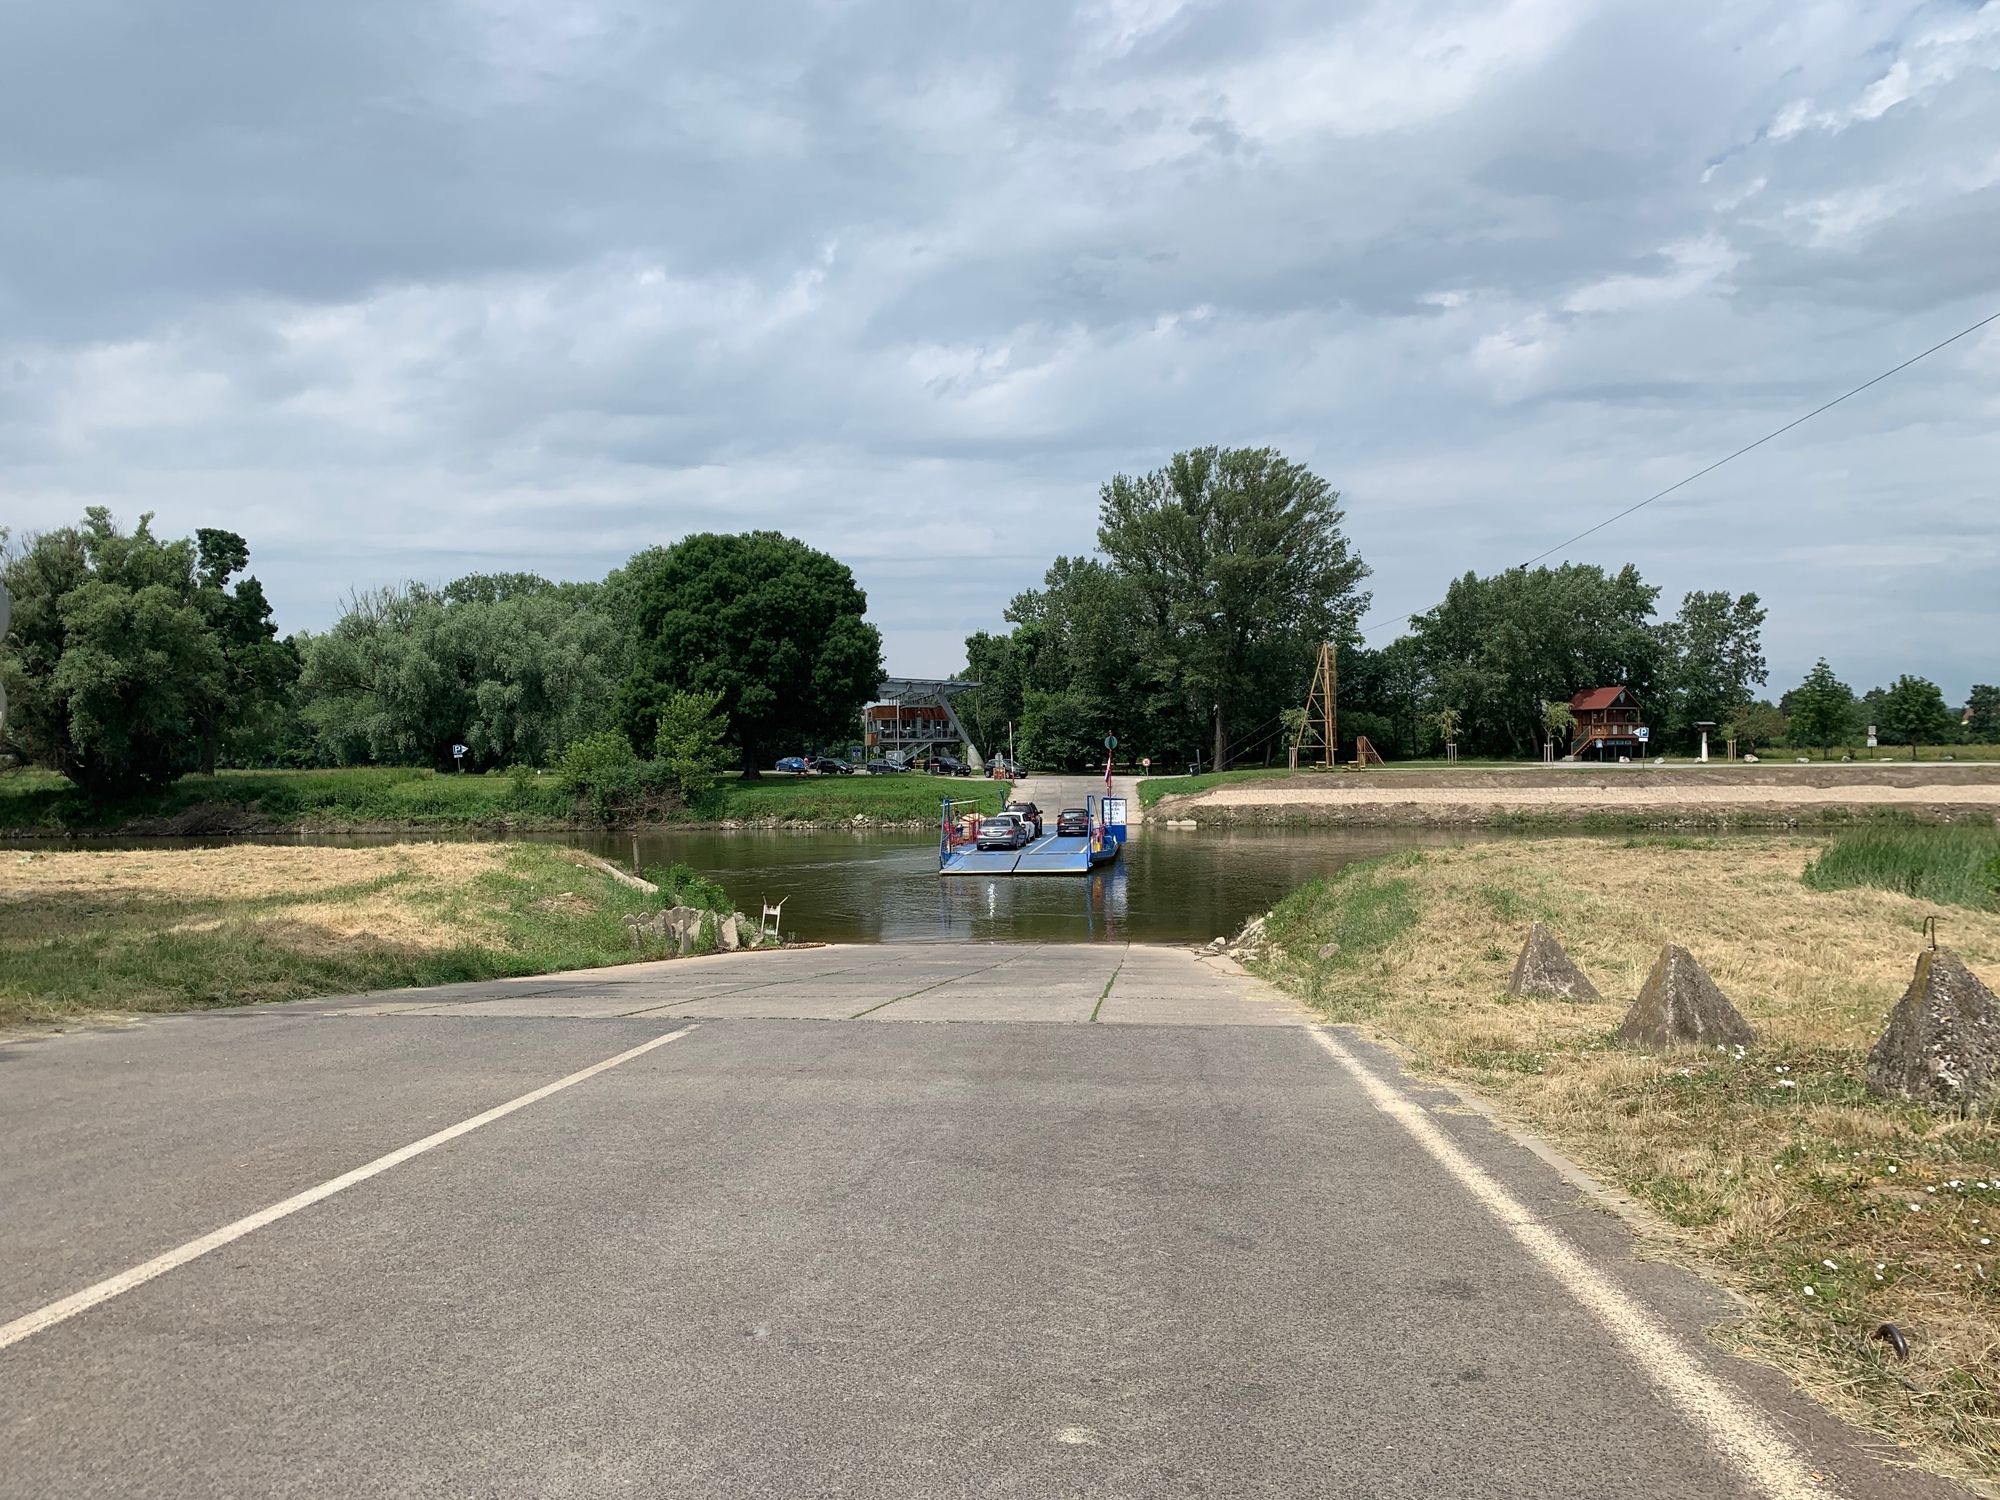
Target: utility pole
point(1322, 718)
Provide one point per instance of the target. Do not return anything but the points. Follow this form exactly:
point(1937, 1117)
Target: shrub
point(600, 769)
point(681, 885)
point(692, 744)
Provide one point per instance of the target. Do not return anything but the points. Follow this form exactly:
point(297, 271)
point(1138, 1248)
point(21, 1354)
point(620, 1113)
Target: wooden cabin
point(1608, 724)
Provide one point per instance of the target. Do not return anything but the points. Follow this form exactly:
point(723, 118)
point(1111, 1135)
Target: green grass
point(1345, 922)
point(129, 938)
point(395, 797)
point(1954, 866)
point(1153, 788)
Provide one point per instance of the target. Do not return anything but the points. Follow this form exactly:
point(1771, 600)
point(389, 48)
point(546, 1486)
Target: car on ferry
point(1028, 813)
point(1073, 823)
point(1004, 831)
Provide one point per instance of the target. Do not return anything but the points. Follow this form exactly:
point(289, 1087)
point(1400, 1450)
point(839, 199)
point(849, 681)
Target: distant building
point(1608, 724)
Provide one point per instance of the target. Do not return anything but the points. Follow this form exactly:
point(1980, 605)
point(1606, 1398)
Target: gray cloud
point(400, 292)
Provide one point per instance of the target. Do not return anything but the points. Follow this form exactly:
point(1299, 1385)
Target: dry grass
point(1764, 1167)
point(169, 929)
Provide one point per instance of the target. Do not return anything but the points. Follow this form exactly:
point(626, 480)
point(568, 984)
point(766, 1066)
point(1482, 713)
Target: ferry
point(1052, 854)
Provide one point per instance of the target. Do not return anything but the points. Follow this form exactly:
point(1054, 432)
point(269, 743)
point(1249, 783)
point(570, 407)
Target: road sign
point(458, 756)
point(1642, 735)
point(1111, 742)
point(1145, 762)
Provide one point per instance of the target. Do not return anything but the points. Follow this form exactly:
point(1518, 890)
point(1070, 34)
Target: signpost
point(458, 755)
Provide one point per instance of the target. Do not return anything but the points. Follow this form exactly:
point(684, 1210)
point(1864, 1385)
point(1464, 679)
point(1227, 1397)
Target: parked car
point(795, 764)
point(885, 768)
point(1028, 813)
point(1008, 764)
point(1073, 823)
point(826, 765)
point(1003, 831)
point(947, 765)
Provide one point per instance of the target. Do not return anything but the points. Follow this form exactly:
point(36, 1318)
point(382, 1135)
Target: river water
point(855, 886)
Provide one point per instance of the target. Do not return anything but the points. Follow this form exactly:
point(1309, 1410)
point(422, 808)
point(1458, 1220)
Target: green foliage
point(1758, 726)
point(1822, 710)
point(1958, 866)
point(1983, 726)
point(1711, 657)
point(692, 744)
point(1557, 721)
point(770, 626)
point(1496, 648)
point(510, 665)
point(682, 885)
point(1064, 731)
point(132, 660)
point(1332, 931)
point(1912, 713)
point(601, 770)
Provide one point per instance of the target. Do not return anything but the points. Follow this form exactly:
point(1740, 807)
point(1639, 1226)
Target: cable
point(1366, 625)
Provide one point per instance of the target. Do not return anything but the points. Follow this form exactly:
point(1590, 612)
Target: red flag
point(1107, 771)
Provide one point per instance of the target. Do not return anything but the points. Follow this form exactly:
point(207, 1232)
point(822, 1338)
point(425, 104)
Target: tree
point(772, 626)
point(1558, 719)
point(113, 667)
point(1759, 724)
point(1913, 713)
point(1822, 710)
point(1982, 723)
point(1064, 730)
point(1238, 568)
point(512, 666)
point(258, 670)
point(1497, 648)
point(1712, 656)
point(692, 743)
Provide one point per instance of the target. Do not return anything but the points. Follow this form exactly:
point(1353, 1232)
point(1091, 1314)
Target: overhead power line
point(1747, 447)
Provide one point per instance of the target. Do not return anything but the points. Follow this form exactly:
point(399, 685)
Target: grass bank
point(394, 798)
point(1831, 1209)
point(185, 929)
point(1952, 866)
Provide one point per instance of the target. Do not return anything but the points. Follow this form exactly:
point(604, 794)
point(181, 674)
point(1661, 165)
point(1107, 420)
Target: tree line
point(133, 659)
point(1193, 634)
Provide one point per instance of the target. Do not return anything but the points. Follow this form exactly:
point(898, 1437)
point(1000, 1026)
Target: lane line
point(1736, 1427)
point(56, 1312)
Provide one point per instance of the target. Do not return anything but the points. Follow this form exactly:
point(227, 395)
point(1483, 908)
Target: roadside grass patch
point(160, 930)
point(1763, 1164)
point(1952, 865)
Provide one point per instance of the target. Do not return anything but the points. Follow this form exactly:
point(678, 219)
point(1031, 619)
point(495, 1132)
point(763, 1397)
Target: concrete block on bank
point(1942, 1044)
point(1681, 1006)
point(1544, 969)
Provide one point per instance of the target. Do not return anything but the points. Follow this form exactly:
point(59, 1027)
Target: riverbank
point(1610, 797)
point(392, 799)
point(122, 931)
point(1831, 1210)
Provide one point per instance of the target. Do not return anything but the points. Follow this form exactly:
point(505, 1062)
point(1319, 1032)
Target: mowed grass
point(120, 931)
point(1953, 866)
point(1776, 1169)
point(397, 797)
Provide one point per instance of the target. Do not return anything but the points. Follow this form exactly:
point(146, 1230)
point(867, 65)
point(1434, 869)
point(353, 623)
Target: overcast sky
point(404, 290)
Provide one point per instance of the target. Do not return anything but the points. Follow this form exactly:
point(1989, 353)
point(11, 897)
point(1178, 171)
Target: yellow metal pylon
point(1321, 729)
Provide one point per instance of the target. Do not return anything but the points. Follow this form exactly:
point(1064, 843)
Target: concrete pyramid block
point(1942, 1044)
point(1681, 1006)
point(1543, 969)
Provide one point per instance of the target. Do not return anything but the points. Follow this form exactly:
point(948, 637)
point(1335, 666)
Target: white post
point(1704, 744)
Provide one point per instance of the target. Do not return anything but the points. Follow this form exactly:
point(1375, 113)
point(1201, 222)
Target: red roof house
point(1608, 723)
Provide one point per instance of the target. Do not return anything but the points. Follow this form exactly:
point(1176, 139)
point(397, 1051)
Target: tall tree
point(258, 669)
point(112, 667)
point(1913, 713)
point(1712, 659)
point(1238, 568)
point(1982, 720)
point(1822, 710)
point(1496, 648)
point(771, 625)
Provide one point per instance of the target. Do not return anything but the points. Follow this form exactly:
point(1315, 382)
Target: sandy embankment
point(1952, 793)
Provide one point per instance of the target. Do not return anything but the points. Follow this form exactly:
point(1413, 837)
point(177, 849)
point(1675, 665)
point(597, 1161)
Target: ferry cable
point(1365, 626)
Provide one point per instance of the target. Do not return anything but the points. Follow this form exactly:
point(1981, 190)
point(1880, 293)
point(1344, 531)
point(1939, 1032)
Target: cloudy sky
point(405, 290)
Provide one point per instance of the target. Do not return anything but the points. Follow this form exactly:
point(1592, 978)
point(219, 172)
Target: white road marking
point(112, 1286)
point(1736, 1427)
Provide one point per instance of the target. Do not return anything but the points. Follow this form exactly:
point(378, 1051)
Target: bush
point(681, 885)
point(602, 770)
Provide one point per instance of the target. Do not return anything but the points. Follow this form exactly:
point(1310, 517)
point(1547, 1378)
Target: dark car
point(947, 765)
point(826, 765)
point(1028, 813)
point(1003, 831)
point(794, 764)
point(1073, 823)
point(885, 768)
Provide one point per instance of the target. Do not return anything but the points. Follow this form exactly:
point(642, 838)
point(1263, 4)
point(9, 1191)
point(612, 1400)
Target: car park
point(1073, 823)
point(1028, 813)
point(1003, 831)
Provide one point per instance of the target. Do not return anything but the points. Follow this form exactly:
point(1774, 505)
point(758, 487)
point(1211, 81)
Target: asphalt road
point(857, 1222)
